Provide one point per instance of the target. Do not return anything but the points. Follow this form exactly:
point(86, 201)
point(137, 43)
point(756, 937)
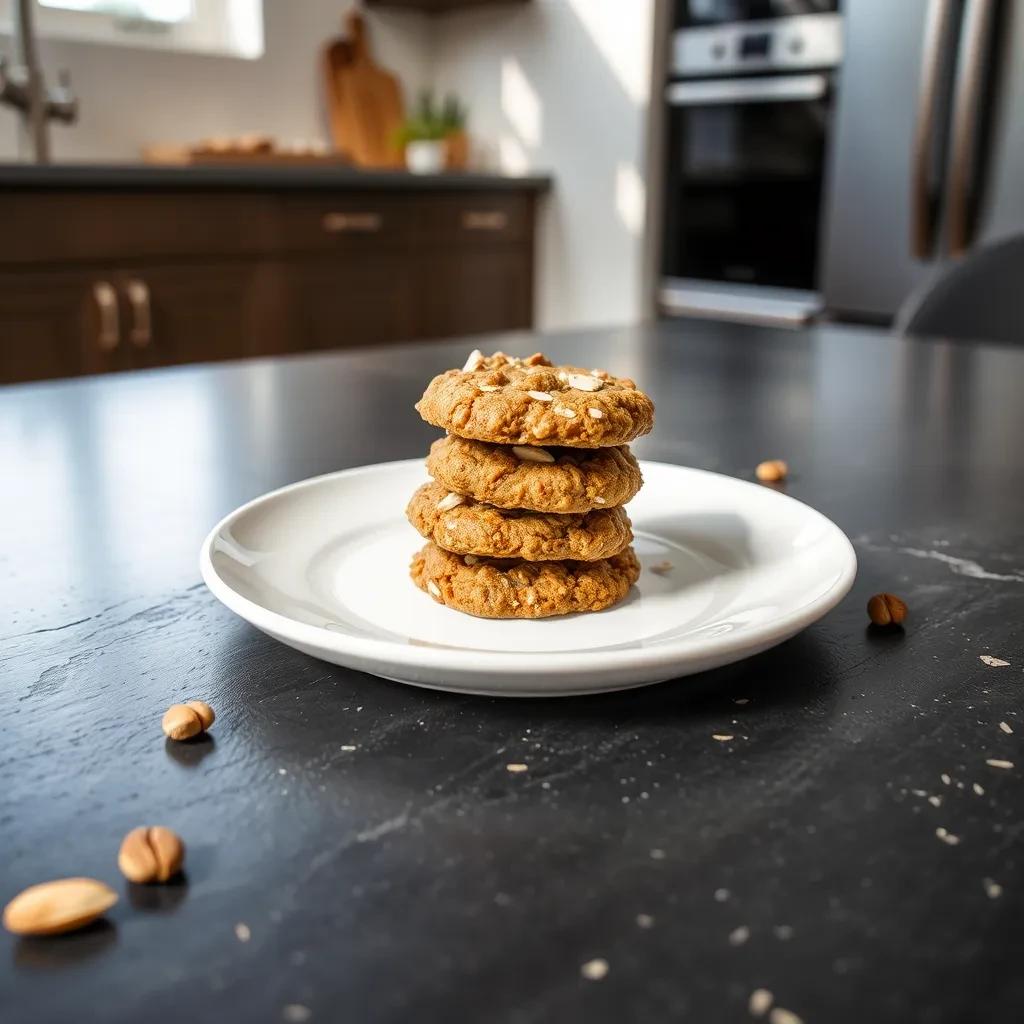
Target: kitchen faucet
point(24, 88)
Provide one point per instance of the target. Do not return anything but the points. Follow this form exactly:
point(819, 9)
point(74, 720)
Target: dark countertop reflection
point(413, 877)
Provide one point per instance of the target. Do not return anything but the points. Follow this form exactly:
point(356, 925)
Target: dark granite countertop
point(146, 176)
point(357, 849)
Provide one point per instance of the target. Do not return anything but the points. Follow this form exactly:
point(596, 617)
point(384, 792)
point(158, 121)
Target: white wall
point(564, 86)
point(133, 96)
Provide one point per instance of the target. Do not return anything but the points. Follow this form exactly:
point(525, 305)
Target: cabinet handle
point(109, 335)
point(352, 223)
point(141, 333)
point(485, 220)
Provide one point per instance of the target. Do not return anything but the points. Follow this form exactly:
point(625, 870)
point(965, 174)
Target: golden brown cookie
point(514, 589)
point(530, 402)
point(467, 527)
point(567, 480)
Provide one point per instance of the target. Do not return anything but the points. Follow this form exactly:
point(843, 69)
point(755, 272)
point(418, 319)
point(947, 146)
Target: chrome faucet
point(23, 87)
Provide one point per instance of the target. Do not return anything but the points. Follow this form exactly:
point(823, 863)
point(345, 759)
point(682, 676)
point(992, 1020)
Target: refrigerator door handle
point(923, 211)
point(968, 97)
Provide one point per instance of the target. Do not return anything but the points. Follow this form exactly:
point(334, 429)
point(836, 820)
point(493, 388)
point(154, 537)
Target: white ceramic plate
point(322, 565)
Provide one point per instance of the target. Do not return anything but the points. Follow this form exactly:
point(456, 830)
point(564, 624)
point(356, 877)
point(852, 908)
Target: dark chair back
point(980, 298)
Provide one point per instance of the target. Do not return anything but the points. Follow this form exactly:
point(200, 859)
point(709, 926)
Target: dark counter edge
point(145, 177)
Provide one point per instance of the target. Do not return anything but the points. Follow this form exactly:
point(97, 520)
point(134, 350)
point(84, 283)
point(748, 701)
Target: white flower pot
point(426, 156)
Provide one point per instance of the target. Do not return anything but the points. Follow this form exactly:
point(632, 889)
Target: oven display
point(756, 45)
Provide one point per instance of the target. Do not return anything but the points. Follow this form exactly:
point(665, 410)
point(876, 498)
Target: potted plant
point(454, 114)
point(434, 136)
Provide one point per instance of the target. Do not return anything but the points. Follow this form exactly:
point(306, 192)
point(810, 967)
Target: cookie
point(468, 527)
point(567, 480)
point(530, 402)
point(514, 589)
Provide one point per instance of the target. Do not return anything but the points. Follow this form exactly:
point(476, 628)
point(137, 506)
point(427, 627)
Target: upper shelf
point(144, 176)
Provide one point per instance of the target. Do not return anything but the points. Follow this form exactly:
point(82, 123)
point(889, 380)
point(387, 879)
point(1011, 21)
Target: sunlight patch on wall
point(520, 102)
point(512, 158)
point(621, 32)
point(630, 198)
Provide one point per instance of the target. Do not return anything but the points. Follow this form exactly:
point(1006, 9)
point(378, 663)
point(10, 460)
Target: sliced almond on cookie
point(528, 454)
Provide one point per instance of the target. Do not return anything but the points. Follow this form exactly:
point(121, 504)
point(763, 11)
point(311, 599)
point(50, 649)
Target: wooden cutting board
point(364, 101)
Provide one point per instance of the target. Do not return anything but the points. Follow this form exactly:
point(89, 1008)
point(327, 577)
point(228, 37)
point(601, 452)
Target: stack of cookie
point(524, 515)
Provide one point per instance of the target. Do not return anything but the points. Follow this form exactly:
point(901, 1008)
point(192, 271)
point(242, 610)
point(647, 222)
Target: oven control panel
point(779, 44)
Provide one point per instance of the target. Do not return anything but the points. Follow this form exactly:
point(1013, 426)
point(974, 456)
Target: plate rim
point(601, 662)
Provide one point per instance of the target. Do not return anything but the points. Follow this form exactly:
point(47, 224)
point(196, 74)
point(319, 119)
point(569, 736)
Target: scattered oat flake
point(242, 932)
point(1005, 726)
point(783, 932)
point(992, 888)
point(945, 779)
point(662, 568)
point(433, 588)
point(995, 762)
point(516, 768)
point(348, 746)
point(644, 921)
point(487, 387)
point(599, 500)
point(722, 737)
point(919, 792)
point(935, 801)
point(947, 837)
point(744, 700)
point(979, 790)
point(296, 1013)
point(595, 414)
point(760, 1002)
point(739, 935)
point(780, 1015)
point(721, 895)
point(594, 970)
point(657, 854)
point(994, 662)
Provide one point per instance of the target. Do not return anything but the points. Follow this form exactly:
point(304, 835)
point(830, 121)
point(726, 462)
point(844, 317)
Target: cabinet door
point(340, 303)
point(58, 324)
point(200, 312)
point(467, 290)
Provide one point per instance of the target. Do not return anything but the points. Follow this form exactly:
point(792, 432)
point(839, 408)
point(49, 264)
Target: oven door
point(745, 166)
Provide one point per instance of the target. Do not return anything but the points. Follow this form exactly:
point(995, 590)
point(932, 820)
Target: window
point(225, 27)
point(165, 11)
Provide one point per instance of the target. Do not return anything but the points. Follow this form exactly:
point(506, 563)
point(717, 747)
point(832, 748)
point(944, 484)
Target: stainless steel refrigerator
point(927, 150)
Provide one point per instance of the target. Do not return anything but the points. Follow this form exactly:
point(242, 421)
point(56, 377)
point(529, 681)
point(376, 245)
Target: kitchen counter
point(300, 178)
point(357, 848)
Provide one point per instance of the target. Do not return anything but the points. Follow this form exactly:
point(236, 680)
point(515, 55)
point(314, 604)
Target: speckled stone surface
point(369, 842)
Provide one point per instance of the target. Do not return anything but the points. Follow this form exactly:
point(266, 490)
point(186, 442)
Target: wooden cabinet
point(200, 312)
point(95, 281)
point(469, 292)
point(57, 324)
point(342, 305)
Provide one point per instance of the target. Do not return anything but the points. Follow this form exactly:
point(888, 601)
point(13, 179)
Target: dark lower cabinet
point(201, 312)
point(299, 273)
point(57, 324)
point(468, 292)
point(341, 304)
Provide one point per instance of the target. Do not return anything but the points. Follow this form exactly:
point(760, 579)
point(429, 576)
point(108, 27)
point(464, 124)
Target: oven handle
point(721, 91)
